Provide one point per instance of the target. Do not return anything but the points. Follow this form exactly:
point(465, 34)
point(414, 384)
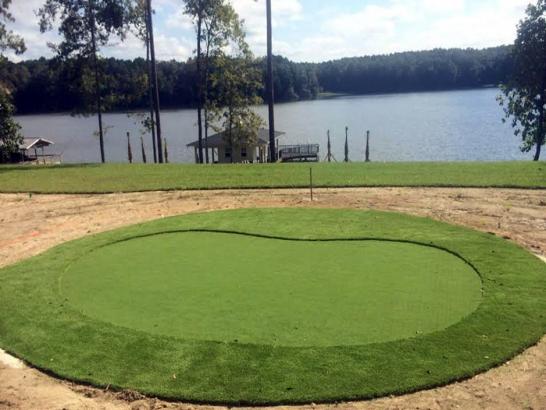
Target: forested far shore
point(46, 85)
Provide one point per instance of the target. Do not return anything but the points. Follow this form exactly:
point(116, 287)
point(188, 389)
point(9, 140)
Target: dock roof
point(29, 143)
point(218, 140)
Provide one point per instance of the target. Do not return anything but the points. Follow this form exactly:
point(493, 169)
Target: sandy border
point(33, 224)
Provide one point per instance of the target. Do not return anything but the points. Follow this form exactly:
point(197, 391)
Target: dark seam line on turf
point(333, 399)
point(262, 236)
point(283, 238)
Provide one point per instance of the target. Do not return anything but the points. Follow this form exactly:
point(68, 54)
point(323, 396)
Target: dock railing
point(304, 152)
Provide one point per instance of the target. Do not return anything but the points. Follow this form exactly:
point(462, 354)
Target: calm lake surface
point(438, 126)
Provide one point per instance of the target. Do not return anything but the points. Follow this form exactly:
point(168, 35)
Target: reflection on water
point(439, 126)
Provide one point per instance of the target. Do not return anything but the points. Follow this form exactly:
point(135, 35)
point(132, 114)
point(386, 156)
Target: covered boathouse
point(35, 150)
point(222, 152)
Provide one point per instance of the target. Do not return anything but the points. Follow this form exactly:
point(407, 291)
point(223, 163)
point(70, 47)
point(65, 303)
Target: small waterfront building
point(35, 150)
point(222, 152)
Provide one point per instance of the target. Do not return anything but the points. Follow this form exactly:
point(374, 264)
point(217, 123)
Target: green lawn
point(135, 178)
point(275, 306)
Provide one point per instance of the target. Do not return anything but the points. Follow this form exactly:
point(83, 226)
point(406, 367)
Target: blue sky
point(320, 30)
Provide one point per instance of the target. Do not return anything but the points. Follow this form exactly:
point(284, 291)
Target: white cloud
point(179, 20)
point(171, 47)
point(403, 25)
point(304, 33)
point(253, 13)
point(27, 25)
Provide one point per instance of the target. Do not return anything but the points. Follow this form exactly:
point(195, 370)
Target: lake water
point(436, 126)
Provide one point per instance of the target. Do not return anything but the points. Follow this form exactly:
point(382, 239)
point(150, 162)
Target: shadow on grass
point(21, 168)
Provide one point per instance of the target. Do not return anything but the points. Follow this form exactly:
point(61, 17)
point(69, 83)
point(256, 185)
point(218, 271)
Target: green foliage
point(9, 40)
point(439, 69)
point(41, 86)
point(10, 136)
point(137, 15)
point(234, 80)
point(85, 26)
point(293, 81)
point(42, 320)
point(212, 19)
point(235, 84)
point(122, 178)
point(524, 94)
point(80, 19)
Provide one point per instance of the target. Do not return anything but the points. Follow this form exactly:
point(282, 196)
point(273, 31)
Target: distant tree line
point(44, 85)
point(438, 69)
point(47, 86)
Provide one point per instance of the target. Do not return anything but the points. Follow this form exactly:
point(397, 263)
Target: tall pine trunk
point(98, 96)
point(230, 135)
point(207, 136)
point(541, 131)
point(270, 89)
point(150, 90)
point(206, 96)
point(199, 87)
point(150, 27)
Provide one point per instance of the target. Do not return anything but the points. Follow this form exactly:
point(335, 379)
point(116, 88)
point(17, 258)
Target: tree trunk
point(98, 96)
point(206, 136)
point(230, 136)
point(270, 89)
point(199, 87)
point(206, 96)
point(541, 131)
point(150, 90)
point(154, 82)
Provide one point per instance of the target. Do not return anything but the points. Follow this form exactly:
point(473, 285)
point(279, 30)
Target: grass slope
point(40, 323)
point(132, 178)
point(224, 287)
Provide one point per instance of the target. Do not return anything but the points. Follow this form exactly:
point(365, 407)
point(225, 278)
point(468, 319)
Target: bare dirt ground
point(31, 224)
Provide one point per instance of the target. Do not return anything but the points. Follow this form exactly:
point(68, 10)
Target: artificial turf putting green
point(275, 306)
point(244, 289)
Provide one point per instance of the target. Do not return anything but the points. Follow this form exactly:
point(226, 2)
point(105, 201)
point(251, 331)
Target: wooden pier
point(299, 153)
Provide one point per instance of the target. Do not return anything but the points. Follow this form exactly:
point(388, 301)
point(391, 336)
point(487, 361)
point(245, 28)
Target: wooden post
point(129, 150)
point(346, 144)
point(166, 157)
point(144, 160)
point(368, 146)
point(329, 148)
point(311, 182)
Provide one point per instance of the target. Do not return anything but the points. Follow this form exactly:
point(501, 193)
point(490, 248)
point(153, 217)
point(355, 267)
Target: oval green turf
point(57, 310)
point(225, 288)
